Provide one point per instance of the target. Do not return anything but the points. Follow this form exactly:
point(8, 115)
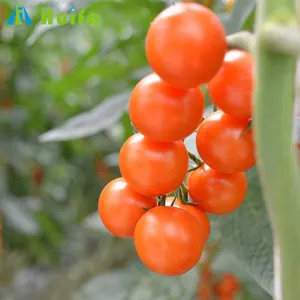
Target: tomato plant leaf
point(247, 232)
point(93, 223)
point(135, 282)
point(92, 122)
point(17, 214)
point(235, 20)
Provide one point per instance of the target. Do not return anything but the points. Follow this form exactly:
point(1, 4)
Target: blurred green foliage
point(45, 78)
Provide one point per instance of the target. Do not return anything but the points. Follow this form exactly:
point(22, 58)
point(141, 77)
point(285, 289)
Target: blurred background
point(63, 99)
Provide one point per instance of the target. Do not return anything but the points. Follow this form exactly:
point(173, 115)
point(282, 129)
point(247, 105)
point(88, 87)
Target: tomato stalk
point(273, 124)
point(195, 159)
point(243, 40)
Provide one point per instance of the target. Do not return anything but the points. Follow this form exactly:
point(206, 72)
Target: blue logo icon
point(19, 15)
point(72, 9)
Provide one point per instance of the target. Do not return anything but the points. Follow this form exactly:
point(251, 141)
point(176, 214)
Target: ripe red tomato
point(232, 88)
point(153, 168)
point(186, 45)
point(217, 193)
point(164, 113)
point(228, 285)
point(194, 211)
point(168, 240)
point(120, 207)
point(221, 143)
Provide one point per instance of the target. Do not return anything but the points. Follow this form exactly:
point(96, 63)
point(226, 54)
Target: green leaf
point(135, 282)
point(94, 223)
point(248, 234)
point(92, 122)
point(17, 214)
point(227, 262)
point(235, 20)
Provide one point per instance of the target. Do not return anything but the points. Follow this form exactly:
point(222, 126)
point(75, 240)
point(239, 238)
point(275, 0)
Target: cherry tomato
point(120, 207)
point(223, 144)
point(217, 193)
point(168, 240)
point(164, 113)
point(186, 45)
point(228, 286)
point(153, 168)
point(232, 88)
point(194, 211)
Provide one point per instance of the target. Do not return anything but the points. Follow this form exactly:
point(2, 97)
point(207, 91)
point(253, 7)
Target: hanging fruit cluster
point(186, 48)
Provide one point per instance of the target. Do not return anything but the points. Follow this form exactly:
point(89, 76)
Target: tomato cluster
point(224, 287)
point(186, 48)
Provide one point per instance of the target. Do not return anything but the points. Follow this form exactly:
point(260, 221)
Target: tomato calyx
point(181, 193)
point(193, 169)
point(162, 200)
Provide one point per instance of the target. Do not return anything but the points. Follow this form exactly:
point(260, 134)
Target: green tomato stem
point(276, 153)
point(195, 159)
point(243, 40)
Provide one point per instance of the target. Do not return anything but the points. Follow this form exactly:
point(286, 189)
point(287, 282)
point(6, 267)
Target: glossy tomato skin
point(223, 145)
point(194, 211)
point(164, 113)
point(168, 240)
point(153, 168)
point(217, 193)
point(186, 44)
point(120, 207)
point(188, 177)
point(232, 88)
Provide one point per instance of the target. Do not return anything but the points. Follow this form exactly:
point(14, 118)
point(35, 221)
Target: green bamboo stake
point(275, 59)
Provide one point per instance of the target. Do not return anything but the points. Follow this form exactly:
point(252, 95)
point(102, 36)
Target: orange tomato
point(168, 240)
point(152, 168)
point(120, 207)
point(228, 286)
point(223, 145)
point(232, 88)
point(217, 193)
point(194, 211)
point(164, 113)
point(186, 44)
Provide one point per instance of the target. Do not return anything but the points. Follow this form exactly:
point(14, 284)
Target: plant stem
point(241, 40)
point(195, 159)
point(273, 124)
